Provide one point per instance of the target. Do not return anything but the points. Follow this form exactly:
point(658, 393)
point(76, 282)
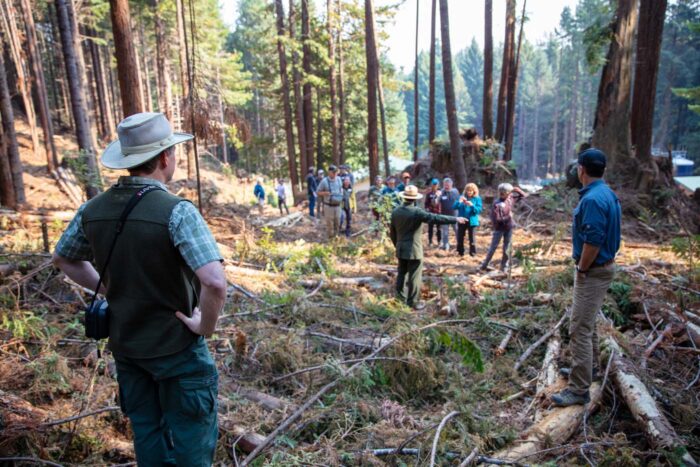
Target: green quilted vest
point(147, 279)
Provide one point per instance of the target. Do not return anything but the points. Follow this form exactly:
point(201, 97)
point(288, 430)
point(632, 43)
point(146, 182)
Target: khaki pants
point(589, 293)
point(331, 214)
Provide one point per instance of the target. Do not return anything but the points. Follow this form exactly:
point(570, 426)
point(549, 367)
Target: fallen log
point(244, 439)
point(656, 426)
point(539, 342)
point(266, 401)
point(550, 372)
point(286, 221)
point(501, 349)
point(556, 426)
point(365, 342)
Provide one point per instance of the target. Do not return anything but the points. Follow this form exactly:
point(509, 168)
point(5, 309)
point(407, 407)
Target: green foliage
point(687, 249)
point(25, 325)
point(457, 342)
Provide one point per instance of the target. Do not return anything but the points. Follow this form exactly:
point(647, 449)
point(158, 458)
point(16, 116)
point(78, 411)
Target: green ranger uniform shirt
point(406, 229)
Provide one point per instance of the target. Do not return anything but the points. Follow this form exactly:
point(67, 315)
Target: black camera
point(97, 320)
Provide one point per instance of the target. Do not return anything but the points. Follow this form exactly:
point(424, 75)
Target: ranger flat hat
point(411, 192)
point(142, 136)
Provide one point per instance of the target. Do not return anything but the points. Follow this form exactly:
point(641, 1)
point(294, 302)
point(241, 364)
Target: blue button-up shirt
point(597, 222)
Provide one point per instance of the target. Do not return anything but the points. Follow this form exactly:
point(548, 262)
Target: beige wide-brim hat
point(142, 136)
point(411, 193)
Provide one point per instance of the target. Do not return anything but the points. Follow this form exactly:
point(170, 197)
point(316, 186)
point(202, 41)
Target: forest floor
point(311, 335)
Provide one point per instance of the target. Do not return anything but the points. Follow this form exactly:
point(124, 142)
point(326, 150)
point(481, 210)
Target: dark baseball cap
point(592, 158)
point(332, 168)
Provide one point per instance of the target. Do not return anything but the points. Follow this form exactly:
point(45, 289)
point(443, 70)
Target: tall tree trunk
point(319, 148)
point(40, 88)
point(552, 160)
point(382, 116)
point(306, 65)
point(286, 103)
point(513, 91)
point(575, 103)
point(23, 83)
point(416, 123)
point(450, 101)
point(331, 81)
point(96, 122)
point(145, 66)
point(10, 165)
point(58, 59)
point(535, 133)
point(116, 103)
point(611, 129)
point(77, 95)
point(341, 86)
point(371, 57)
point(127, 68)
point(508, 46)
point(298, 97)
point(184, 83)
point(651, 27)
point(431, 78)
point(222, 119)
point(488, 69)
point(165, 93)
point(48, 54)
point(103, 99)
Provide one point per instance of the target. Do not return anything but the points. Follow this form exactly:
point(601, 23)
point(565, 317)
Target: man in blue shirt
point(596, 240)
point(311, 186)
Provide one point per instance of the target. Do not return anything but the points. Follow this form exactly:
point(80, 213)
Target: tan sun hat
point(142, 136)
point(411, 192)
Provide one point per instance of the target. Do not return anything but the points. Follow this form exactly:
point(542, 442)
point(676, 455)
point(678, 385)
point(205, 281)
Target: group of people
point(161, 271)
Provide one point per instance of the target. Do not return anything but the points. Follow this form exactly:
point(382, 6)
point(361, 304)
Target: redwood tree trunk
point(341, 87)
point(289, 132)
point(508, 46)
point(488, 69)
point(165, 94)
point(431, 78)
point(306, 65)
point(450, 101)
point(513, 91)
point(127, 68)
point(78, 104)
point(10, 167)
point(611, 129)
point(40, 88)
point(415, 89)
point(651, 28)
point(106, 118)
point(184, 82)
point(371, 56)
point(298, 97)
point(331, 81)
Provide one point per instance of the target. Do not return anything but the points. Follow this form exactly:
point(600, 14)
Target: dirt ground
point(304, 313)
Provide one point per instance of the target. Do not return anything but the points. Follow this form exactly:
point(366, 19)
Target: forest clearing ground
point(301, 311)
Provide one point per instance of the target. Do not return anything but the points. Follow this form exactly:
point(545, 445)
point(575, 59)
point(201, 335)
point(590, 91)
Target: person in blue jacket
point(259, 193)
point(468, 205)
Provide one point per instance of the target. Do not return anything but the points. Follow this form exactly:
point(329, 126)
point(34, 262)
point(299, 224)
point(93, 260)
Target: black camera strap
point(138, 196)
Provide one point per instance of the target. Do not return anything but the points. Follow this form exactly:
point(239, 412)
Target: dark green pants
point(171, 402)
point(409, 280)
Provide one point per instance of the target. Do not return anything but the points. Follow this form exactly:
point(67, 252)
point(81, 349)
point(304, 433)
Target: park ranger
point(165, 286)
point(407, 236)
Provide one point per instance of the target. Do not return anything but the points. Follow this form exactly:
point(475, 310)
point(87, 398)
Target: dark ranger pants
point(347, 219)
point(282, 202)
point(432, 226)
point(462, 230)
point(171, 403)
point(409, 280)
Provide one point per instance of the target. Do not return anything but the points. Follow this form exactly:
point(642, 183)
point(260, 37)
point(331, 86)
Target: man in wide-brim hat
point(407, 236)
point(165, 286)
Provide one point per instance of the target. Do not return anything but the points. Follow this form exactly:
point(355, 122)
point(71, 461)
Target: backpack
point(500, 215)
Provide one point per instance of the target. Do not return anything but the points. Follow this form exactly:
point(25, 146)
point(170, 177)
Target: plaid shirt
point(188, 232)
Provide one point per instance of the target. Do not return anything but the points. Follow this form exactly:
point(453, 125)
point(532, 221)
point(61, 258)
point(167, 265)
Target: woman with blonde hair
point(468, 205)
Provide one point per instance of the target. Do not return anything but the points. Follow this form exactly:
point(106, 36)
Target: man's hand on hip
point(194, 323)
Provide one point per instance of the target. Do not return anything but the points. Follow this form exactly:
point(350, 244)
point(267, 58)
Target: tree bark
point(184, 83)
point(371, 55)
point(651, 27)
point(508, 46)
point(40, 88)
point(298, 97)
point(23, 83)
point(286, 104)
point(513, 90)
point(488, 70)
point(306, 65)
point(535, 133)
point(77, 94)
point(127, 68)
point(611, 129)
point(11, 184)
point(145, 68)
point(450, 104)
point(319, 149)
point(165, 93)
point(341, 86)
point(331, 81)
point(416, 124)
point(431, 78)
point(382, 113)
